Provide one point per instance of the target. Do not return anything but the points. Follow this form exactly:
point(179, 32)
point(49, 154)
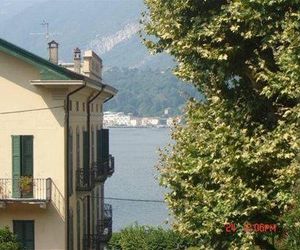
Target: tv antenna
point(47, 34)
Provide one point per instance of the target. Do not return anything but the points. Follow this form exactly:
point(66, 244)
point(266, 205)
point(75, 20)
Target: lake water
point(136, 154)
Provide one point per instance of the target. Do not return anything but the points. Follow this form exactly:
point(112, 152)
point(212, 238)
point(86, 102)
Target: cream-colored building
point(54, 157)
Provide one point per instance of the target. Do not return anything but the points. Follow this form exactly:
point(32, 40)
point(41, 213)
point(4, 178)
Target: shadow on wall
point(58, 201)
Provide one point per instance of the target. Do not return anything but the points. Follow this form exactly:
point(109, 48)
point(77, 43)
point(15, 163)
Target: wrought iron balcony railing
point(111, 165)
point(104, 169)
point(25, 189)
point(104, 226)
point(103, 231)
point(85, 179)
point(100, 172)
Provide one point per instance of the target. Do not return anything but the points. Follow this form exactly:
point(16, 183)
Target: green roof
point(48, 70)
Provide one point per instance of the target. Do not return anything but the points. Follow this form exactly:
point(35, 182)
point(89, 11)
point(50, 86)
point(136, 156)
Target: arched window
point(77, 148)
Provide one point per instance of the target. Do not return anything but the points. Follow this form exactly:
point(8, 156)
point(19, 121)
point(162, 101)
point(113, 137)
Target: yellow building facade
point(55, 154)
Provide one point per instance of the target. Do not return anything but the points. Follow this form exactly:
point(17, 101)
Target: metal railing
point(85, 179)
point(104, 226)
point(104, 169)
point(25, 188)
point(100, 172)
point(103, 231)
point(111, 165)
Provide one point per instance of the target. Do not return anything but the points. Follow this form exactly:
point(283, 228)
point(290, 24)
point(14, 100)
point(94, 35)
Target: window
point(70, 104)
point(77, 148)
point(92, 107)
point(22, 163)
point(77, 106)
point(93, 144)
point(25, 233)
point(98, 203)
point(70, 162)
point(71, 232)
point(78, 225)
point(83, 106)
point(93, 212)
point(85, 148)
point(102, 145)
point(97, 108)
point(84, 222)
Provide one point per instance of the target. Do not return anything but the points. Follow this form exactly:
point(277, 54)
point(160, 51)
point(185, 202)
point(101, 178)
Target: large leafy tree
point(235, 158)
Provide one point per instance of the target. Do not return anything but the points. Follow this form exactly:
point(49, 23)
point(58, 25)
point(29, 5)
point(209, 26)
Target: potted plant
point(26, 186)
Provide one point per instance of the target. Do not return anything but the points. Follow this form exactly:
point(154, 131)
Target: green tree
point(235, 158)
point(7, 240)
point(147, 238)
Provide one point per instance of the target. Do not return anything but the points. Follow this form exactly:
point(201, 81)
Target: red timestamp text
point(249, 227)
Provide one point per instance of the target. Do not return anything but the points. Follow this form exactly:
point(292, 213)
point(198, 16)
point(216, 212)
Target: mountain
point(148, 92)
point(107, 26)
point(110, 27)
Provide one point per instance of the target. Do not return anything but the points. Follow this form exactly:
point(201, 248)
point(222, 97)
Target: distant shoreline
point(137, 127)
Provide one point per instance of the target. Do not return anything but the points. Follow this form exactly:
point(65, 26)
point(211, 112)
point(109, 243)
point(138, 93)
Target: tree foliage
point(236, 160)
point(8, 241)
point(147, 238)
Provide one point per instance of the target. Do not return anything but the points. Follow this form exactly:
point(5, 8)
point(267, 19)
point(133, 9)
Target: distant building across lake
point(120, 119)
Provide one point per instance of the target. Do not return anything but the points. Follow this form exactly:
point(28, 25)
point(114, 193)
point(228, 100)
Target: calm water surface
point(135, 177)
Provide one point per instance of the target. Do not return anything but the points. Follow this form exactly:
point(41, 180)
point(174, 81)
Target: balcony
point(104, 169)
point(104, 226)
point(111, 165)
point(103, 231)
point(25, 190)
point(84, 180)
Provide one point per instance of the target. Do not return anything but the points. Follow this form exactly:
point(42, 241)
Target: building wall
point(78, 122)
point(47, 128)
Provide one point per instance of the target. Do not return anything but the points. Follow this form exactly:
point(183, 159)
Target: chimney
point(77, 60)
point(92, 65)
point(53, 52)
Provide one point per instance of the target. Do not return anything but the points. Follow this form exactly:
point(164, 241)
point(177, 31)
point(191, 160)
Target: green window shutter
point(93, 211)
point(16, 165)
point(98, 141)
point(84, 217)
point(29, 235)
point(85, 159)
point(78, 226)
point(71, 225)
point(97, 203)
point(102, 145)
point(70, 164)
point(106, 143)
point(27, 155)
point(85, 150)
point(25, 233)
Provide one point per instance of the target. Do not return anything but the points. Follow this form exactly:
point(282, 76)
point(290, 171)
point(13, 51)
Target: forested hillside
point(110, 28)
point(147, 92)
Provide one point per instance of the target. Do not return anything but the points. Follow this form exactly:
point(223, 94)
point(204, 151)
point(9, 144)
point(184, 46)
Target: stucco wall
point(78, 121)
point(47, 128)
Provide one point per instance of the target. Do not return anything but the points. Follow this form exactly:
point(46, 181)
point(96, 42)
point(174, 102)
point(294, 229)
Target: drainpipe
point(68, 160)
point(108, 98)
point(88, 125)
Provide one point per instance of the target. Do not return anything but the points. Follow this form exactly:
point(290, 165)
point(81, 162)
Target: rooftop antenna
point(47, 34)
point(46, 24)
